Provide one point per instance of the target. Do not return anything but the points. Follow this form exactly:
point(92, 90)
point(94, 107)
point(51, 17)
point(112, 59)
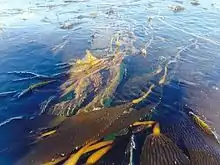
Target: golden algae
point(146, 123)
point(156, 130)
point(136, 101)
point(73, 159)
point(86, 79)
point(98, 145)
point(97, 155)
point(202, 124)
point(33, 87)
point(47, 133)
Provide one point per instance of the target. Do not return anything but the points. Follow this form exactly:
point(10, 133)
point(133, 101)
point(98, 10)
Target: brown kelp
point(159, 149)
point(119, 134)
point(79, 130)
point(167, 138)
point(173, 143)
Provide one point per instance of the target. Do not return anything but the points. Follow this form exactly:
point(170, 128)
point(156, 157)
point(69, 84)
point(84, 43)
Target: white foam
point(11, 119)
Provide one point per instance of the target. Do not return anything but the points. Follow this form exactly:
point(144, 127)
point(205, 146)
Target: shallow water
point(37, 37)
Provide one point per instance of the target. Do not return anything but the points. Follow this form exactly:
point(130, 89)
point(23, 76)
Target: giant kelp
point(175, 142)
point(81, 139)
point(79, 130)
point(164, 136)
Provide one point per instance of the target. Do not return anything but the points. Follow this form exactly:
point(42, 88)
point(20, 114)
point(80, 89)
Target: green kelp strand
point(34, 87)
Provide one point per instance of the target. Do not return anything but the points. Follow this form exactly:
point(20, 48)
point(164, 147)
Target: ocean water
point(38, 37)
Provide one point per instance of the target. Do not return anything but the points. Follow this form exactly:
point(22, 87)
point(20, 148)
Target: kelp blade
point(79, 129)
point(160, 150)
point(200, 148)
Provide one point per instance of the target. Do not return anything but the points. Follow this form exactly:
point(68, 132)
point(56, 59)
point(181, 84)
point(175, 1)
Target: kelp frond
point(138, 100)
point(33, 87)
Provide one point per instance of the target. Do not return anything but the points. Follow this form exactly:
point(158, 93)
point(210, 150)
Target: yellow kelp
point(136, 101)
point(147, 123)
point(48, 133)
point(41, 84)
point(159, 70)
point(98, 145)
point(203, 126)
point(89, 59)
point(97, 155)
point(156, 130)
point(85, 79)
point(33, 87)
point(79, 73)
point(75, 157)
point(117, 43)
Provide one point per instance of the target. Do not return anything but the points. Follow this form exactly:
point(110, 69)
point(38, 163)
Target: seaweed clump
point(91, 84)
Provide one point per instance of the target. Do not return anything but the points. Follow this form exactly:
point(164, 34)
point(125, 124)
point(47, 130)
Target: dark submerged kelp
point(81, 129)
point(81, 139)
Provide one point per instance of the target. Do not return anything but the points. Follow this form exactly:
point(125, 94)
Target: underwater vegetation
point(99, 132)
point(144, 136)
point(93, 81)
point(90, 77)
point(34, 87)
